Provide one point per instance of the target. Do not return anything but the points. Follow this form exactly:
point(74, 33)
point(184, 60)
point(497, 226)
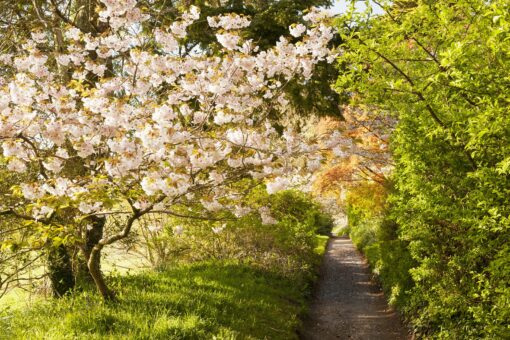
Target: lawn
point(222, 300)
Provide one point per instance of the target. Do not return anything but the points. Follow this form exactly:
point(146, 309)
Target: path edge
point(318, 277)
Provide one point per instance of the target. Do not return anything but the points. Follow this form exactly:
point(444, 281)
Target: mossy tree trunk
point(60, 270)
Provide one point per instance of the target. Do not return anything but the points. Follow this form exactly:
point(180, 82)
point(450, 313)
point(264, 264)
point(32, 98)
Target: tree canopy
point(118, 116)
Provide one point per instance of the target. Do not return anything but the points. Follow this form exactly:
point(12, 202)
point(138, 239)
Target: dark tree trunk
point(60, 270)
point(93, 234)
point(92, 253)
point(94, 265)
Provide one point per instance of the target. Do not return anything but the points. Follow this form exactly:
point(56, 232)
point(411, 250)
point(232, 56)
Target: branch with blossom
point(140, 125)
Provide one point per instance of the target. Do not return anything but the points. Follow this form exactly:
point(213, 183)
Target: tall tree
point(49, 20)
point(134, 126)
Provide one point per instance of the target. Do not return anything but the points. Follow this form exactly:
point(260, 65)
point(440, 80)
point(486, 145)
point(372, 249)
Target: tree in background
point(362, 151)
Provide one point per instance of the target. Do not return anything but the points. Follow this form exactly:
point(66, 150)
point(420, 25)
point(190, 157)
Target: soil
point(347, 303)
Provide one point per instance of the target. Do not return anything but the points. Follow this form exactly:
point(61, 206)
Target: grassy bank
point(226, 300)
point(250, 281)
point(206, 300)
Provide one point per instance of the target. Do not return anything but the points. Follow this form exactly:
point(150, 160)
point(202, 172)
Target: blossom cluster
point(147, 124)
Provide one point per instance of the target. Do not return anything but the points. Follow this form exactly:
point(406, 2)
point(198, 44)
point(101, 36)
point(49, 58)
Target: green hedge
point(441, 69)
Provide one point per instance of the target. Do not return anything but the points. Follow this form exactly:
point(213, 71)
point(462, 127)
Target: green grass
point(222, 300)
point(322, 243)
point(340, 230)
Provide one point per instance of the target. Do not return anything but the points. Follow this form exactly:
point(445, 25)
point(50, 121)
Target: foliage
point(222, 299)
point(119, 117)
point(246, 280)
point(375, 234)
point(21, 241)
point(362, 153)
point(322, 244)
point(441, 68)
point(291, 244)
point(360, 160)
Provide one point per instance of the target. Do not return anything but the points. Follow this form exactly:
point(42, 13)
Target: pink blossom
point(218, 230)
point(16, 165)
point(265, 215)
point(278, 184)
point(73, 33)
point(178, 230)
point(31, 191)
point(181, 127)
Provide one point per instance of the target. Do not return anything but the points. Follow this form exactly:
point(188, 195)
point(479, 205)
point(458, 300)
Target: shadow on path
point(347, 303)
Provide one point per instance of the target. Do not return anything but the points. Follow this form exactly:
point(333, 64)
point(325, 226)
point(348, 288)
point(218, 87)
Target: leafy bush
point(249, 280)
point(441, 68)
point(375, 234)
point(288, 245)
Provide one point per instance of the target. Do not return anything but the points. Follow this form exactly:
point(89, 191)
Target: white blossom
point(178, 230)
point(181, 126)
point(42, 212)
point(154, 228)
point(16, 165)
point(88, 208)
point(73, 33)
point(218, 230)
point(278, 184)
point(240, 211)
point(31, 191)
point(297, 30)
point(228, 40)
point(228, 22)
point(54, 165)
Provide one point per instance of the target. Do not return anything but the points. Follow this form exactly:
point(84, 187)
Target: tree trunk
point(92, 253)
point(60, 271)
point(93, 234)
point(94, 264)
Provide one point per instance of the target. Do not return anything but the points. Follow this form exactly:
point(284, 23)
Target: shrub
point(288, 245)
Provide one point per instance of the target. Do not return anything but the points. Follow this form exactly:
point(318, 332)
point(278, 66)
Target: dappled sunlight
point(347, 303)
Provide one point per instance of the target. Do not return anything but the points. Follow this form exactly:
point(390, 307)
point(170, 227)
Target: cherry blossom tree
point(122, 123)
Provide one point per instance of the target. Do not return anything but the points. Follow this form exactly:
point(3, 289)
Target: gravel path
point(347, 303)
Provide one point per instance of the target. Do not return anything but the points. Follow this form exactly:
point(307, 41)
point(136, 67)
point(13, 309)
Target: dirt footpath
point(347, 303)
